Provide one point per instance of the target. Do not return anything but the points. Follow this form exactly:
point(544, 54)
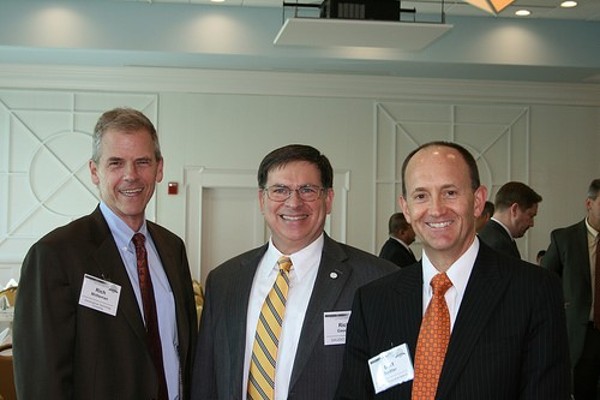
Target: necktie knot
point(284, 263)
point(139, 240)
point(440, 284)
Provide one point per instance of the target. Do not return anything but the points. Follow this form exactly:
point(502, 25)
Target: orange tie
point(433, 341)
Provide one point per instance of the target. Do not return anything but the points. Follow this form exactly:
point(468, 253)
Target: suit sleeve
point(44, 327)
point(545, 372)
point(551, 259)
point(355, 379)
point(204, 380)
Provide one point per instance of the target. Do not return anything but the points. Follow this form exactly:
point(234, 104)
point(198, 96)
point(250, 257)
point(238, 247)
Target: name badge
point(335, 324)
point(391, 368)
point(99, 295)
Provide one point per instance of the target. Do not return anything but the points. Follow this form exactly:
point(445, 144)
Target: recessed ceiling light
point(523, 13)
point(568, 4)
point(217, 1)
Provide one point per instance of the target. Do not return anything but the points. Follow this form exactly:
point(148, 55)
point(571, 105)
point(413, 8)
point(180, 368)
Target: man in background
point(476, 324)
point(486, 214)
point(516, 207)
point(105, 307)
point(573, 255)
point(313, 276)
point(396, 249)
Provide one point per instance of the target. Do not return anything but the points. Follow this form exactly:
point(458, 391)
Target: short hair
point(594, 189)
point(516, 192)
point(488, 208)
point(397, 223)
point(466, 155)
point(123, 120)
point(291, 153)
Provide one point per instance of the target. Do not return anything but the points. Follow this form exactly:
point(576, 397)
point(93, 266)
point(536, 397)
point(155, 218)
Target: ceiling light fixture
point(568, 4)
point(522, 13)
point(491, 6)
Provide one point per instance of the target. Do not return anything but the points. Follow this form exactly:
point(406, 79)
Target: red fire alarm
point(173, 188)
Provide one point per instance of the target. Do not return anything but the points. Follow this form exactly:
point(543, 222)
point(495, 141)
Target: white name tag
point(334, 324)
point(391, 368)
point(100, 295)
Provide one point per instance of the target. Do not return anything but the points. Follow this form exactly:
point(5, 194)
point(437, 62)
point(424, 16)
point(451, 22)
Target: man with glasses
point(301, 357)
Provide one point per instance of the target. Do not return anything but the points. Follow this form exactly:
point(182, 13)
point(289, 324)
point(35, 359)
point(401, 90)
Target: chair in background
point(11, 295)
point(7, 382)
point(199, 298)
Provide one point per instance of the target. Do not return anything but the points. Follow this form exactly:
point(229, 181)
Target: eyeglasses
point(281, 193)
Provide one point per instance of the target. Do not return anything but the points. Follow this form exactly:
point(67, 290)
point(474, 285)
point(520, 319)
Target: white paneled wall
point(44, 175)
point(223, 123)
point(497, 135)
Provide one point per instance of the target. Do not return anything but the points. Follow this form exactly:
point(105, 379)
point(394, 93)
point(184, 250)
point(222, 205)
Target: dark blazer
point(66, 351)
point(568, 256)
point(393, 251)
point(495, 236)
point(509, 340)
point(218, 368)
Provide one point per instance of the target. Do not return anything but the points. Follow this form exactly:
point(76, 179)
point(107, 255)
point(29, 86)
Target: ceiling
point(586, 10)
point(552, 45)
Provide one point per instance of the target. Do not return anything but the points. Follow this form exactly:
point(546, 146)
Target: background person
point(573, 255)
point(396, 249)
point(486, 214)
point(516, 206)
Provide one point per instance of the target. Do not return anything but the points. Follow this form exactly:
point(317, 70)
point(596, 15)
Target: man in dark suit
point(396, 249)
point(507, 333)
point(516, 206)
point(486, 215)
point(572, 254)
point(80, 330)
point(295, 195)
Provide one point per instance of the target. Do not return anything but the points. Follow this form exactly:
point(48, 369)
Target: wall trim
point(379, 88)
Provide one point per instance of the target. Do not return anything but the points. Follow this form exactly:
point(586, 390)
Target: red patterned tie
point(433, 341)
point(152, 334)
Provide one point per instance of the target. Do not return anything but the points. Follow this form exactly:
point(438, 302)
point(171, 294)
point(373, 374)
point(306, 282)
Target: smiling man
point(106, 307)
point(473, 323)
point(274, 318)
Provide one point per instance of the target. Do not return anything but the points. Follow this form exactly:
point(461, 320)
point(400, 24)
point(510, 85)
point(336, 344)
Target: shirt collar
point(458, 273)
point(301, 260)
point(590, 229)
point(121, 232)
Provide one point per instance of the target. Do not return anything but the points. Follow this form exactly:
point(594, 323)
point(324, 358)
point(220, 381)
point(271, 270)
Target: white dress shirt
point(305, 265)
point(165, 302)
point(458, 273)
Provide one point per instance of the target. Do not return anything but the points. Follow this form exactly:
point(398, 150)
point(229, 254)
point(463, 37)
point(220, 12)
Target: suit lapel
point(409, 304)
point(580, 242)
point(484, 290)
point(331, 279)
point(237, 313)
point(111, 268)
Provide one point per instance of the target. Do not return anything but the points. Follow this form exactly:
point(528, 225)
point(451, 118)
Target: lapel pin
point(333, 275)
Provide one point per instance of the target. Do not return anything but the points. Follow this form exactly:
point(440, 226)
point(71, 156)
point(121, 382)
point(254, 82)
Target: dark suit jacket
point(393, 251)
point(66, 351)
point(495, 236)
point(509, 340)
point(568, 256)
point(218, 368)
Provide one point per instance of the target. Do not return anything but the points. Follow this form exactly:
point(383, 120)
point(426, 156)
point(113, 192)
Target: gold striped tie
point(261, 380)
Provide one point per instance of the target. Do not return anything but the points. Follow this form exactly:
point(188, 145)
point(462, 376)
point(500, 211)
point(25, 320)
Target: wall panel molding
point(293, 84)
